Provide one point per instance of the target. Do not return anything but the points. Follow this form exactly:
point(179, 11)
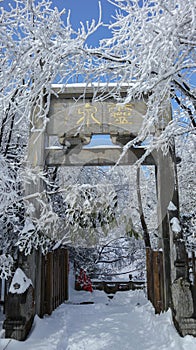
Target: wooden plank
point(57, 279)
point(60, 277)
point(63, 275)
point(148, 272)
point(193, 258)
point(156, 285)
point(158, 281)
point(54, 281)
point(43, 286)
point(38, 282)
point(155, 279)
point(149, 267)
point(66, 266)
point(49, 284)
point(194, 280)
point(161, 274)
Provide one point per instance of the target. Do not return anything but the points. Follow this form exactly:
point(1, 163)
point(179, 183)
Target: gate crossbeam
point(96, 157)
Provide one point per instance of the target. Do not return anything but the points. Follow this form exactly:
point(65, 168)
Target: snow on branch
point(146, 51)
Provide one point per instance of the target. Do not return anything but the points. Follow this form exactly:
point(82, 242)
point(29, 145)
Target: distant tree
point(100, 209)
point(93, 205)
point(111, 258)
point(89, 213)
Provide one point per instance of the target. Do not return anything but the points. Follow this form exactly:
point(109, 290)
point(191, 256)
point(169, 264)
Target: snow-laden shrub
point(47, 222)
point(30, 238)
point(89, 213)
point(8, 184)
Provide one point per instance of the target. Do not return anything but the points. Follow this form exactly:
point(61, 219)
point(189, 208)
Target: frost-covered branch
point(152, 51)
point(37, 49)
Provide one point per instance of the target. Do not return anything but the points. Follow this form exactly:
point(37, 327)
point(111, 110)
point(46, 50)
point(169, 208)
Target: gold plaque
point(88, 112)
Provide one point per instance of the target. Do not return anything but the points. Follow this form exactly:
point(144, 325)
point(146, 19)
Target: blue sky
point(86, 10)
point(82, 10)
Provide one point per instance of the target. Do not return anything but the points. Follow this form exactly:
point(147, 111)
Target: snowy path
point(127, 322)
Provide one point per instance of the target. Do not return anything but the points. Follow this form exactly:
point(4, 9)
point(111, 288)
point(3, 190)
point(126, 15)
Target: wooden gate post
point(158, 275)
point(149, 269)
point(155, 279)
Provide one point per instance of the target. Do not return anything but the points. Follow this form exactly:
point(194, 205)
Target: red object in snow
point(84, 281)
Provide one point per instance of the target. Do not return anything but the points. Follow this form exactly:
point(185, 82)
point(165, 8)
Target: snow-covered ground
point(126, 322)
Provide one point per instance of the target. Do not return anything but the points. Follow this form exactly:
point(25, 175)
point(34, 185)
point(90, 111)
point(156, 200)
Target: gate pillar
point(166, 192)
point(33, 190)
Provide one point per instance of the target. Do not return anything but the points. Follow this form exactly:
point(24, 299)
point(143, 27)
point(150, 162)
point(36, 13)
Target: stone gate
point(74, 116)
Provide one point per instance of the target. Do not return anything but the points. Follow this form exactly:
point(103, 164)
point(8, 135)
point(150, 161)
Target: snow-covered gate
point(72, 125)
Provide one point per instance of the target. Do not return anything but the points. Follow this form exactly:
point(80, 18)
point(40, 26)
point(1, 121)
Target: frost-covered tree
point(111, 258)
point(89, 212)
point(99, 208)
point(37, 49)
point(152, 50)
point(93, 206)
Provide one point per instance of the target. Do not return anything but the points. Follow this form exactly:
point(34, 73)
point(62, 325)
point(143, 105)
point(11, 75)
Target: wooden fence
point(192, 276)
point(155, 279)
point(54, 289)
point(4, 286)
point(117, 286)
point(54, 282)
point(192, 268)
